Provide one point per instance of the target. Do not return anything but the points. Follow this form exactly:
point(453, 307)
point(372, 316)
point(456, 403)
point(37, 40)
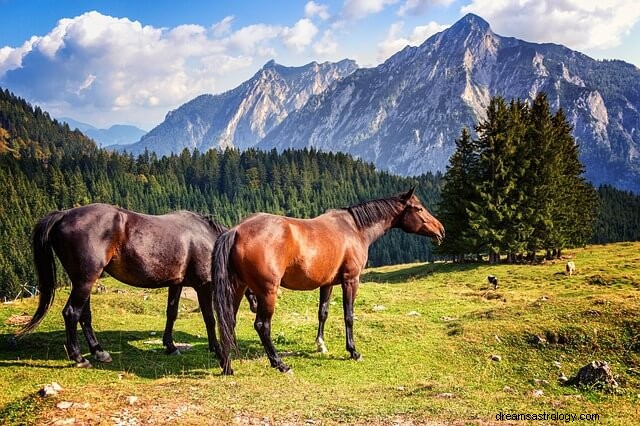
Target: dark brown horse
point(266, 251)
point(172, 250)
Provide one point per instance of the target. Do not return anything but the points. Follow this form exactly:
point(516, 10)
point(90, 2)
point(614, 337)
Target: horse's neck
point(373, 232)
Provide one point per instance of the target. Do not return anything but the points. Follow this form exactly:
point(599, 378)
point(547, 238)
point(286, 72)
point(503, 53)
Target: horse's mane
point(219, 229)
point(370, 212)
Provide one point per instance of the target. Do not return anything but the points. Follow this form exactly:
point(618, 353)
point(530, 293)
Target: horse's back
point(302, 253)
point(139, 249)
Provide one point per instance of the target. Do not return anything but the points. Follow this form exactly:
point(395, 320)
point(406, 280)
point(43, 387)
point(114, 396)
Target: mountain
point(405, 114)
point(241, 117)
point(118, 134)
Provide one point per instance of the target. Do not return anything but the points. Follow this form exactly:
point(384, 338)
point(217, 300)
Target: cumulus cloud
point(97, 64)
point(417, 7)
point(579, 24)
point(320, 10)
point(300, 35)
point(396, 39)
point(327, 44)
point(356, 9)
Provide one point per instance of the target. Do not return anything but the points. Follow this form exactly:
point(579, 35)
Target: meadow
point(429, 335)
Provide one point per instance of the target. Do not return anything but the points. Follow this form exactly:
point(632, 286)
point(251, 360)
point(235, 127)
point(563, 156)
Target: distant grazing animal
point(570, 268)
point(265, 251)
point(171, 250)
point(493, 280)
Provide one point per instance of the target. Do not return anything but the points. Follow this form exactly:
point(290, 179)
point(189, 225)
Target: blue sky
point(130, 62)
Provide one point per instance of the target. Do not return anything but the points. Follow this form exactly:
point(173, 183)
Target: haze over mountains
point(405, 114)
point(118, 134)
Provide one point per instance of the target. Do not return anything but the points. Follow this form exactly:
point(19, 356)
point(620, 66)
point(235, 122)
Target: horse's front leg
point(173, 302)
point(323, 313)
point(349, 290)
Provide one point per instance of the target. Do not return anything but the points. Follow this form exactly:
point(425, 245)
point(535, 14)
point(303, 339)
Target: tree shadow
point(417, 271)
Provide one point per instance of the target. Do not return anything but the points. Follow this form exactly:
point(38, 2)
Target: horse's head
point(416, 219)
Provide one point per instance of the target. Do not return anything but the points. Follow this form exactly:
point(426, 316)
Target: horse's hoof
point(227, 371)
point(283, 368)
point(175, 353)
point(356, 357)
point(321, 347)
point(103, 356)
point(84, 364)
point(289, 372)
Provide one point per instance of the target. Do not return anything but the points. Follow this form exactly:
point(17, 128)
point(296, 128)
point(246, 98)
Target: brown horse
point(172, 250)
point(266, 251)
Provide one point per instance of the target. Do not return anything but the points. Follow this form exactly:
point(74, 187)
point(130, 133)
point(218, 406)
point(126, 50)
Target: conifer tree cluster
point(517, 188)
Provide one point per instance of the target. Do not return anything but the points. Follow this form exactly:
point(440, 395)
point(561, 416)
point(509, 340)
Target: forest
point(45, 166)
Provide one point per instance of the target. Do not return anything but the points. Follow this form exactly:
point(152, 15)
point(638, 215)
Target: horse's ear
point(407, 196)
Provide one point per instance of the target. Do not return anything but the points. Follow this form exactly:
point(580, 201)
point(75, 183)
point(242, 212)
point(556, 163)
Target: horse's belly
point(297, 278)
point(149, 274)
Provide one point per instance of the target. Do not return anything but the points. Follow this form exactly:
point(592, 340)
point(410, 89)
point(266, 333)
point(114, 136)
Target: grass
point(434, 367)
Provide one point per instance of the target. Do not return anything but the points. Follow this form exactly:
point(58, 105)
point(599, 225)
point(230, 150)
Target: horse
point(171, 250)
point(265, 251)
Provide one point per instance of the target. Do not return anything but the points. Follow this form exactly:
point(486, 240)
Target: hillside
point(427, 333)
point(29, 131)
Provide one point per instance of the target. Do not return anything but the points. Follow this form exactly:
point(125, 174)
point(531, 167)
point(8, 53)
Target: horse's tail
point(223, 291)
point(45, 267)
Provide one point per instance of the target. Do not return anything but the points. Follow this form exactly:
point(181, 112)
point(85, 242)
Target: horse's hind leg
point(72, 313)
point(205, 299)
point(172, 313)
point(262, 324)
point(323, 313)
point(85, 323)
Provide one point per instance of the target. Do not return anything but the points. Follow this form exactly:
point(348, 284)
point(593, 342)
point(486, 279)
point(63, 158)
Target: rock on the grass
point(595, 374)
point(50, 389)
point(496, 358)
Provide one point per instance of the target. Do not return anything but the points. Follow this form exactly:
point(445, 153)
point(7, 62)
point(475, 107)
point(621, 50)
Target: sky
point(133, 61)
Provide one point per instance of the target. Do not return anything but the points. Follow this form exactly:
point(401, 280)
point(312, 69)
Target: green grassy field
point(431, 368)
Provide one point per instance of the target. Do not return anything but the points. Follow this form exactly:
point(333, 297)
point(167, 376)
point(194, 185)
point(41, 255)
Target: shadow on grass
point(417, 271)
point(130, 353)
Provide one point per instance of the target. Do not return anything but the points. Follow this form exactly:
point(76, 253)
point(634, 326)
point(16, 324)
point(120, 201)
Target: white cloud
point(320, 10)
point(396, 40)
point(300, 35)
point(579, 24)
point(417, 7)
point(327, 45)
point(223, 27)
point(253, 38)
point(95, 64)
point(356, 9)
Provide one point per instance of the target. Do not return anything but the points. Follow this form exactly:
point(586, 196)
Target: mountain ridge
point(242, 116)
point(405, 114)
